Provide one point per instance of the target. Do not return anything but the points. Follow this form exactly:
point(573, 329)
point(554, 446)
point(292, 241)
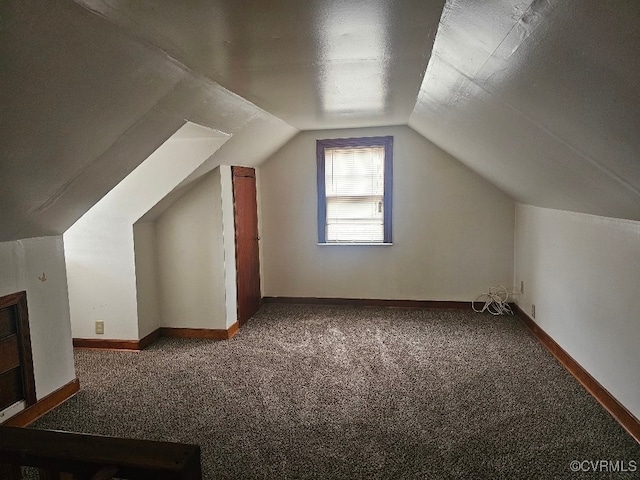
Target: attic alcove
point(185, 264)
point(122, 272)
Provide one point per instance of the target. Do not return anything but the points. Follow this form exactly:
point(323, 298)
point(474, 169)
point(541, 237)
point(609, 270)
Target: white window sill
point(357, 244)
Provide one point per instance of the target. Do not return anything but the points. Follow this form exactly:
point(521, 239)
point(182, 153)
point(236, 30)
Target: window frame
point(387, 199)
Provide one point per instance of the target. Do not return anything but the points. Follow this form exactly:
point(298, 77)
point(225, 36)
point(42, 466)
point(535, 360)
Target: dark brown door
point(247, 256)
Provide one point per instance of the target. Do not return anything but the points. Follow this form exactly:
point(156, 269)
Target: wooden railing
point(74, 456)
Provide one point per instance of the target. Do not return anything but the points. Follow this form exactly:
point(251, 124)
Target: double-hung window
point(354, 190)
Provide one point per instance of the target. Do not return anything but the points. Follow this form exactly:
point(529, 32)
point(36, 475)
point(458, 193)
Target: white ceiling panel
point(550, 112)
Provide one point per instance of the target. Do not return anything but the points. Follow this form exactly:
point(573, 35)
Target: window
point(354, 190)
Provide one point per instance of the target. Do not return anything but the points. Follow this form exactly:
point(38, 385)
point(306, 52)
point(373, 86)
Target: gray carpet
point(344, 392)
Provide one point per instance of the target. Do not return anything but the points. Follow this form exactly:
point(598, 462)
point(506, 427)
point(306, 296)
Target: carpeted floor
point(344, 392)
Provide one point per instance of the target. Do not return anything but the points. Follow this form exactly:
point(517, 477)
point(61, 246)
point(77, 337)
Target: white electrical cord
point(495, 301)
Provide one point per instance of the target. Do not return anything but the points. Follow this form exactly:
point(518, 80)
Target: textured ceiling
point(314, 63)
point(540, 97)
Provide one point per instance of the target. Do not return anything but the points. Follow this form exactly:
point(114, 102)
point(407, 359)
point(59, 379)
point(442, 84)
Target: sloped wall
point(582, 272)
point(452, 230)
point(99, 247)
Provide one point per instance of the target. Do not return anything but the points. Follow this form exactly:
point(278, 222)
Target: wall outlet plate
point(99, 327)
point(533, 310)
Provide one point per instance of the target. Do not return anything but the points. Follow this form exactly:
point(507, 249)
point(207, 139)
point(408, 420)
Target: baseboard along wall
point(137, 345)
point(225, 334)
point(625, 418)
point(32, 413)
point(206, 333)
point(369, 302)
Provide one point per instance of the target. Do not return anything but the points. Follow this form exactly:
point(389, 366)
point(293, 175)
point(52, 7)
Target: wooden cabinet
point(16, 364)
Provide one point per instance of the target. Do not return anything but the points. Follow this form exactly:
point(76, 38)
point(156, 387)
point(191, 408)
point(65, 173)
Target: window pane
point(354, 171)
point(354, 183)
point(355, 208)
point(354, 195)
point(355, 232)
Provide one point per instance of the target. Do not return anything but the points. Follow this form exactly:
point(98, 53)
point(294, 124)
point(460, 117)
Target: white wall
point(452, 230)
point(146, 271)
point(229, 233)
point(582, 272)
point(190, 250)
point(100, 246)
point(22, 265)
point(101, 278)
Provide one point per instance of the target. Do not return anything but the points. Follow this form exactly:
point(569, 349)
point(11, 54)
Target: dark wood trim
point(48, 403)
point(137, 345)
point(11, 357)
point(149, 339)
point(107, 344)
point(114, 344)
point(625, 418)
point(370, 302)
point(243, 171)
point(19, 301)
point(206, 333)
point(321, 145)
point(233, 329)
point(12, 299)
point(96, 456)
point(11, 472)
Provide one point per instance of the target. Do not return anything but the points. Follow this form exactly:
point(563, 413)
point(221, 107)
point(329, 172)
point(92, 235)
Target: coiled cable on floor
point(495, 301)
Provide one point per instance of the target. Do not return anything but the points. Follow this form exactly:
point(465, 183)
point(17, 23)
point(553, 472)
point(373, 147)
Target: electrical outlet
point(522, 286)
point(533, 310)
point(99, 327)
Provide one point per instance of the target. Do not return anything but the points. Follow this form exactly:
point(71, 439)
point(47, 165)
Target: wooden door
point(16, 363)
point(247, 255)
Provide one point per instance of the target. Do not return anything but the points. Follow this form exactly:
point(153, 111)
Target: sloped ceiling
point(82, 104)
point(540, 97)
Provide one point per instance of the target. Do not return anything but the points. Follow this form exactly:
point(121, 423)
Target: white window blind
point(354, 191)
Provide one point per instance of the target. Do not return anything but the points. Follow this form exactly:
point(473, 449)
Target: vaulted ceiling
point(539, 96)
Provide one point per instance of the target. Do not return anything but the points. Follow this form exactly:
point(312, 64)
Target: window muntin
point(354, 190)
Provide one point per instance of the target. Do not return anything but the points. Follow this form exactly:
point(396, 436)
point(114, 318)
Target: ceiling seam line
point(504, 38)
point(186, 69)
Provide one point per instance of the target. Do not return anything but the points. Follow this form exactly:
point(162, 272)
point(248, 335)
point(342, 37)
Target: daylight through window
point(354, 190)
